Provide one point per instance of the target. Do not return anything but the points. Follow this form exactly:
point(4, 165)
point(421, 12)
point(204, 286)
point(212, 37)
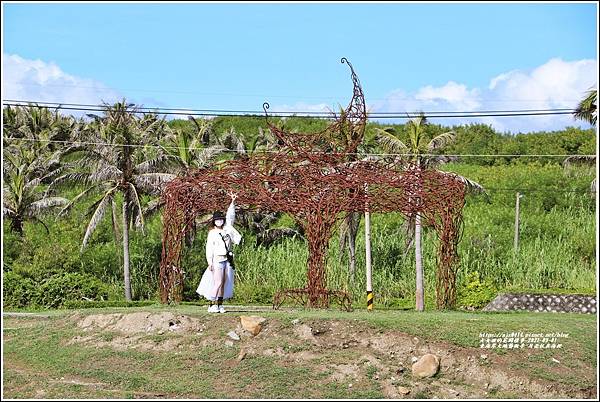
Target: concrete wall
point(543, 303)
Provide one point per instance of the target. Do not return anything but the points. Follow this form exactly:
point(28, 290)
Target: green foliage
point(17, 290)
point(58, 289)
point(471, 139)
point(145, 254)
point(261, 295)
point(54, 292)
point(48, 259)
point(476, 293)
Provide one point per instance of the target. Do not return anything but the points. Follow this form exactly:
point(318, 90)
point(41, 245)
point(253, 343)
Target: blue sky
point(408, 57)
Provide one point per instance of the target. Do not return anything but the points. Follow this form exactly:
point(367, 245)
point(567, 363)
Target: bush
point(475, 293)
point(18, 291)
point(59, 289)
point(41, 260)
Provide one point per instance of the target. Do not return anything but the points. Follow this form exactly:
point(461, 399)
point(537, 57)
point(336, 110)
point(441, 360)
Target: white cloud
point(302, 107)
point(555, 84)
point(452, 93)
point(36, 80)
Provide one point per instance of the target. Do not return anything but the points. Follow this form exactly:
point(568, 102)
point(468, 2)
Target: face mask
point(219, 222)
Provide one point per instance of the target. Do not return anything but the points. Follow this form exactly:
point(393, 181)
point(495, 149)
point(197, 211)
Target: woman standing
point(217, 281)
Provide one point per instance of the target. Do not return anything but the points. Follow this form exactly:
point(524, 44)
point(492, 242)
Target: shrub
point(41, 261)
point(18, 291)
point(58, 289)
point(475, 293)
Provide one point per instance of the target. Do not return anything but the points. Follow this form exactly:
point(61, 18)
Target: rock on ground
point(427, 366)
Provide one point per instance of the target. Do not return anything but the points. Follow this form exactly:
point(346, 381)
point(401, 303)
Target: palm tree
point(418, 151)
point(125, 159)
point(24, 171)
point(189, 152)
point(38, 126)
point(31, 161)
point(587, 108)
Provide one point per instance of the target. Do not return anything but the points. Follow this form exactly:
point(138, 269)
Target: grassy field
point(557, 248)
point(347, 355)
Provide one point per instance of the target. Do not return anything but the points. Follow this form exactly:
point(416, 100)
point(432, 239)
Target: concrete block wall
point(543, 303)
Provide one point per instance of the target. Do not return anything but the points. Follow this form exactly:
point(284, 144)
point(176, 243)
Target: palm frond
point(136, 209)
point(203, 130)
point(205, 156)
point(115, 221)
point(160, 161)
point(74, 200)
point(98, 214)
point(105, 173)
point(40, 206)
point(471, 185)
point(270, 236)
point(389, 142)
point(441, 141)
point(152, 183)
point(7, 211)
point(74, 178)
point(579, 159)
point(31, 184)
point(153, 207)
point(89, 155)
point(587, 109)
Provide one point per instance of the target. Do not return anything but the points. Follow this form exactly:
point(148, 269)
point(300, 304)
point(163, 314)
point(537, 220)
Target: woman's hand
point(232, 195)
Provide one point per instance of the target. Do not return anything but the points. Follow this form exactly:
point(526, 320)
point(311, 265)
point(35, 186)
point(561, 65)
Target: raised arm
point(230, 215)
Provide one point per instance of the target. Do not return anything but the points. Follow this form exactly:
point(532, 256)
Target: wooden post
point(368, 256)
point(516, 245)
point(420, 293)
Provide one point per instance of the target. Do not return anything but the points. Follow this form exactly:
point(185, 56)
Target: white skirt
point(206, 286)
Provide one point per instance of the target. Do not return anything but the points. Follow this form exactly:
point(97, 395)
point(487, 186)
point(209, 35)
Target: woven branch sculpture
point(317, 178)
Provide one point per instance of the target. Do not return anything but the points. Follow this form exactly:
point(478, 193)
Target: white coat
point(216, 254)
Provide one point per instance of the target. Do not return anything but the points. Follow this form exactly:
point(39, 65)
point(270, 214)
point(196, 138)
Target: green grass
point(202, 374)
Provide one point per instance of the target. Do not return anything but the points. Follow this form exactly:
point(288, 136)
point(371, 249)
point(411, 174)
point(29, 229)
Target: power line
point(53, 105)
point(310, 152)
point(96, 89)
point(554, 190)
point(295, 114)
point(158, 108)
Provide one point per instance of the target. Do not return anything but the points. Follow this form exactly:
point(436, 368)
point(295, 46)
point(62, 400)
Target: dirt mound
point(141, 322)
point(345, 352)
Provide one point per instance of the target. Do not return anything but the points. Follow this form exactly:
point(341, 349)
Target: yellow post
point(368, 257)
